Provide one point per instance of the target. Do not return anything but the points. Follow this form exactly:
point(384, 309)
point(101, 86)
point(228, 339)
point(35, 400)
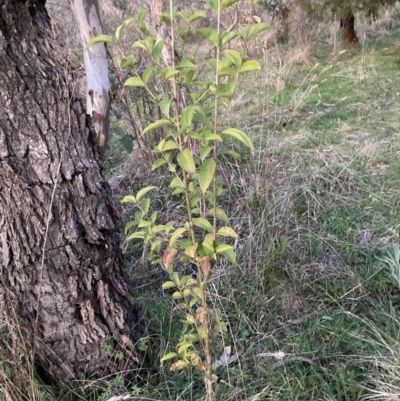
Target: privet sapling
point(203, 235)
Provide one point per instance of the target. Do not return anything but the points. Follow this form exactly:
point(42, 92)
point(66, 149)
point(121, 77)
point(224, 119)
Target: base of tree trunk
point(349, 35)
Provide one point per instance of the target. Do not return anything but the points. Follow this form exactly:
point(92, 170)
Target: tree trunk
point(60, 260)
point(98, 91)
point(349, 35)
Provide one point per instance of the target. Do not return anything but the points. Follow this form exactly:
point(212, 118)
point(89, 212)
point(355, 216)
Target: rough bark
point(349, 36)
point(60, 260)
point(98, 91)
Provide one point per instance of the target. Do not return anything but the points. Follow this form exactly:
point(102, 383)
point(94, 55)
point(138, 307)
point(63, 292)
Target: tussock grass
point(310, 305)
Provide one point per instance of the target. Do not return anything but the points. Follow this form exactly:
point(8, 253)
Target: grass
point(312, 304)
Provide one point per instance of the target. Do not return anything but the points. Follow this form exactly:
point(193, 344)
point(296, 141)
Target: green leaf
point(170, 355)
point(176, 234)
point(227, 3)
point(185, 160)
point(240, 135)
point(99, 39)
point(129, 225)
point(134, 81)
point(183, 17)
point(137, 235)
point(185, 63)
point(120, 30)
point(191, 250)
point(250, 65)
point(157, 124)
point(197, 15)
point(204, 151)
point(201, 222)
point(226, 37)
point(213, 4)
point(144, 191)
point(210, 34)
point(169, 145)
point(177, 183)
point(128, 199)
point(206, 174)
point(157, 50)
point(219, 213)
point(128, 62)
point(230, 255)
point(145, 205)
point(187, 115)
point(171, 73)
point(247, 34)
point(168, 284)
point(226, 232)
point(222, 248)
point(165, 105)
point(147, 74)
point(141, 16)
point(183, 346)
point(235, 56)
point(127, 143)
point(157, 164)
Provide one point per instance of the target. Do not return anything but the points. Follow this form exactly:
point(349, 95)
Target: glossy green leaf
point(240, 135)
point(158, 163)
point(226, 37)
point(177, 183)
point(128, 62)
point(168, 284)
point(147, 74)
point(99, 39)
point(226, 232)
point(185, 160)
point(134, 81)
point(168, 356)
point(165, 105)
point(128, 199)
point(170, 73)
point(141, 16)
point(227, 3)
point(247, 34)
point(219, 213)
point(213, 4)
point(145, 206)
point(176, 234)
point(186, 63)
point(144, 191)
point(250, 65)
point(201, 222)
point(206, 174)
point(182, 15)
point(157, 124)
point(120, 30)
point(209, 34)
point(197, 15)
point(137, 235)
point(204, 151)
point(170, 145)
point(230, 255)
point(157, 50)
point(235, 56)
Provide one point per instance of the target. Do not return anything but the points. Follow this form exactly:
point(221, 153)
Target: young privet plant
point(191, 150)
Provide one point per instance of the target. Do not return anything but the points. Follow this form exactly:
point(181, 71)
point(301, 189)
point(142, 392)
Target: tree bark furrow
point(82, 290)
